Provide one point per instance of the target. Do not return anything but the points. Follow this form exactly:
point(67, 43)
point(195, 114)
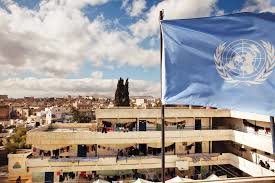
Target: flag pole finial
point(161, 14)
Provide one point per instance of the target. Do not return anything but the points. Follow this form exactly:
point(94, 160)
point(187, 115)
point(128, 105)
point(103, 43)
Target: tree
point(17, 140)
point(126, 93)
point(76, 114)
point(80, 117)
point(119, 93)
point(122, 93)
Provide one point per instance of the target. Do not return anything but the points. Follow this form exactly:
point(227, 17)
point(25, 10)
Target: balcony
point(66, 137)
point(182, 162)
point(69, 137)
point(172, 112)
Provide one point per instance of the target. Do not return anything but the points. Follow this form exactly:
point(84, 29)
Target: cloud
point(74, 3)
point(135, 8)
point(85, 86)
point(97, 74)
point(173, 9)
point(57, 38)
point(258, 6)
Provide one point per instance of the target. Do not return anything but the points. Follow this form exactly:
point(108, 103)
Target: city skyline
point(58, 48)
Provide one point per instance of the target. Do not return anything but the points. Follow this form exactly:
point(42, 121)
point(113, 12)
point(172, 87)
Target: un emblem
point(245, 61)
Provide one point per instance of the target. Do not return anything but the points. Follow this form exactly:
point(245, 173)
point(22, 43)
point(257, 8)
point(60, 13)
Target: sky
point(82, 47)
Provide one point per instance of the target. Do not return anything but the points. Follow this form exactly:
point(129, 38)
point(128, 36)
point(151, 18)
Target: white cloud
point(85, 86)
point(173, 9)
point(258, 6)
point(74, 3)
point(97, 74)
point(57, 38)
point(135, 8)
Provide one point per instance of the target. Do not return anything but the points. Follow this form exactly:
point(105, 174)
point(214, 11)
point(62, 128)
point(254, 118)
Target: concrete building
point(4, 112)
point(124, 144)
point(85, 107)
point(20, 112)
point(57, 113)
point(143, 101)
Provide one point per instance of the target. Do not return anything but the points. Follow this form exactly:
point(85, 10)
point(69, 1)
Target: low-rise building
point(4, 112)
point(4, 97)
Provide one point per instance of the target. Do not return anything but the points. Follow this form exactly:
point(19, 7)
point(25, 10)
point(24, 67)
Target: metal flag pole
point(161, 15)
point(272, 126)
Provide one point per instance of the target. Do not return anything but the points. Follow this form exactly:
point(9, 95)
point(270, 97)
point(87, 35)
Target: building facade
point(124, 144)
point(4, 112)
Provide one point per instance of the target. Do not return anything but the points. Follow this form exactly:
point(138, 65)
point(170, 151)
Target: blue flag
point(224, 62)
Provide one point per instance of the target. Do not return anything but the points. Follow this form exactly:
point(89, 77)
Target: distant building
point(4, 97)
point(57, 114)
point(140, 101)
point(85, 107)
point(20, 112)
point(4, 112)
point(29, 99)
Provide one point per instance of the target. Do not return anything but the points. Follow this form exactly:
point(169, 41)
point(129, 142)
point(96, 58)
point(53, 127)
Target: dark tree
point(118, 94)
point(126, 94)
point(76, 114)
point(80, 117)
point(122, 93)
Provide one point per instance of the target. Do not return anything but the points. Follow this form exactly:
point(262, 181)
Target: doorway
point(198, 147)
point(142, 125)
point(197, 124)
point(49, 177)
point(81, 151)
point(143, 149)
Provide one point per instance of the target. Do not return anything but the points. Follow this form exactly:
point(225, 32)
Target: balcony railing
point(145, 162)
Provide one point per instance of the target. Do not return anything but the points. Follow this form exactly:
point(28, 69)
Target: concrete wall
point(263, 143)
point(156, 113)
point(17, 166)
point(87, 137)
point(110, 163)
point(41, 139)
point(248, 154)
point(172, 112)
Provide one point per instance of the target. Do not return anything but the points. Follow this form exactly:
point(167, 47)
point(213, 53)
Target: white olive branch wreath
point(270, 64)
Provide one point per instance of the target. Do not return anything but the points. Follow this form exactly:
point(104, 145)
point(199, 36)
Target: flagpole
point(272, 126)
point(161, 15)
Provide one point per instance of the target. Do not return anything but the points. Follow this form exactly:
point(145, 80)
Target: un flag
point(223, 61)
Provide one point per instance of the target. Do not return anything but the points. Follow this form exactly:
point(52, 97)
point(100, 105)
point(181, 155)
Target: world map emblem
point(245, 61)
